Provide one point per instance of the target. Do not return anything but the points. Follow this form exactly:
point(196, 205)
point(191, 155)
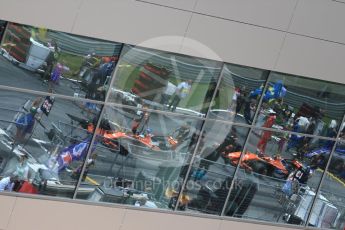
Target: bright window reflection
point(165, 81)
point(141, 157)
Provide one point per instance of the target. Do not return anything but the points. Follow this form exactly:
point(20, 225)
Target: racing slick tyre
point(202, 199)
point(279, 175)
point(260, 168)
point(113, 146)
point(240, 198)
point(247, 193)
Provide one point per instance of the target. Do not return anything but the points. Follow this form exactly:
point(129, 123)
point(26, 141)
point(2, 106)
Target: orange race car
point(115, 139)
point(271, 166)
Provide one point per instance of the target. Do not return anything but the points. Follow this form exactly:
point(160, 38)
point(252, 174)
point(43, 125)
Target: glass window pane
point(212, 172)
point(302, 105)
point(140, 157)
point(52, 61)
point(165, 81)
point(329, 208)
point(42, 145)
point(237, 96)
point(277, 180)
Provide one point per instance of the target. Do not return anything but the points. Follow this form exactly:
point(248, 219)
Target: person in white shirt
point(303, 123)
point(182, 91)
point(6, 183)
point(22, 170)
point(143, 201)
point(233, 103)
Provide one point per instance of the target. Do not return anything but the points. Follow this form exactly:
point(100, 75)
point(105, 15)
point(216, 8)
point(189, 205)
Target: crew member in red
point(266, 135)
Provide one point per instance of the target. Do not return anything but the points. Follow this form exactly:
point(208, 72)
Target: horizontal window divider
point(119, 105)
point(41, 93)
point(294, 133)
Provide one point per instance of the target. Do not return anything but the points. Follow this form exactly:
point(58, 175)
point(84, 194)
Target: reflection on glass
point(42, 144)
point(277, 180)
point(342, 131)
point(57, 62)
point(237, 96)
point(302, 105)
point(141, 154)
point(140, 157)
point(165, 81)
point(212, 171)
point(329, 207)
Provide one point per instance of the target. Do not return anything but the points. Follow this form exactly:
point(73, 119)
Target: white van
point(37, 55)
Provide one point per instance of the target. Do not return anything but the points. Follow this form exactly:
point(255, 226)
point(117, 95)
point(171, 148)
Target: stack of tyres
point(241, 195)
point(240, 198)
point(17, 41)
point(151, 82)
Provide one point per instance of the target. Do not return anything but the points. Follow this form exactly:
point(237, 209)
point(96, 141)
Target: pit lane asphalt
point(14, 76)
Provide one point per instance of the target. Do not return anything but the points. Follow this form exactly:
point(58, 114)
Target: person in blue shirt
point(25, 125)
point(7, 183)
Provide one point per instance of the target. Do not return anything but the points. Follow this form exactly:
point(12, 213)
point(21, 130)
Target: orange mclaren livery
point(263, 164)
point(110, 138)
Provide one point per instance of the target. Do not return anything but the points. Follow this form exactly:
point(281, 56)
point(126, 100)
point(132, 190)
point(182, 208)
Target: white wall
point(24, 213)
point(303, 37)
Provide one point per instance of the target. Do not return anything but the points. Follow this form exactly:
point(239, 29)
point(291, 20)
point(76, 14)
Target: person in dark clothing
point(249, 106)
point(302, 174)
point(228, 145)
point(89, 162)
point(241, 99)
point(208, 97)
point(51, 60)
point(230, 139)
point(182, 132)
point(194, 141)
point(140, 123)
point(96, 89)
point(2, 29)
